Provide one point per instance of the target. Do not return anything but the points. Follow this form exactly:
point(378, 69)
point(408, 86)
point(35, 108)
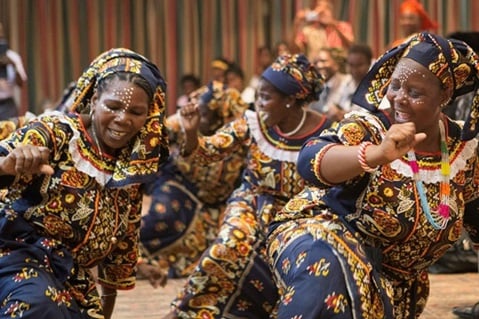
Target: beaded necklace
point(300, 125)
point(440, 217)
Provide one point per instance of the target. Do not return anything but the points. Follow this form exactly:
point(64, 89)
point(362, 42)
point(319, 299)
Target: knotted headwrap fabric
point(416, 7)
point(453, 62)
point(150, 147)
point(295, 75)
point(225, 101)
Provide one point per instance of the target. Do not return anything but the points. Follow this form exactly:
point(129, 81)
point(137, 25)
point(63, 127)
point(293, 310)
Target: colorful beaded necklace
point(440, 217)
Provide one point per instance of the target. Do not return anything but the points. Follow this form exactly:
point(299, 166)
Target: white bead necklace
point(300, 125)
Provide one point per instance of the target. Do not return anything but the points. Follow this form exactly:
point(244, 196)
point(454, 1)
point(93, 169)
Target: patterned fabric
point(55, 228)
point(295, 75)
point(378, 240)
point(140, 161)
point(187, 200)
point(440, 56)
point(232, 279)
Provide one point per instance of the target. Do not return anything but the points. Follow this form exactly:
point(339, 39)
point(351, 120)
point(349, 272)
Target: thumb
point(46, 169)
point(419, 137)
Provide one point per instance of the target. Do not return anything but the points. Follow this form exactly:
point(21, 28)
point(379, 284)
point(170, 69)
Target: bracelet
point(113, 294)
point(362, 157)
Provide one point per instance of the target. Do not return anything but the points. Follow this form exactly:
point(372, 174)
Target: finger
point(46, 169)
point(419, 137)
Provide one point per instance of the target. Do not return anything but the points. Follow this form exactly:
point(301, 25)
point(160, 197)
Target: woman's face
point(326, 65)
point(120, 111)
point(271, 104)
point(410, 22)
point(209, 120)
point(415, 95)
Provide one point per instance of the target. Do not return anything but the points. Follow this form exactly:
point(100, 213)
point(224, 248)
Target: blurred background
point(58, 38)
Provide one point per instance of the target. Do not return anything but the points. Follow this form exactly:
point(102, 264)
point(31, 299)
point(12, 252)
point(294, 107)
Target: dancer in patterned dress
point(392, 191)
point(186, 200)
point(74, 192)
point(232, 279)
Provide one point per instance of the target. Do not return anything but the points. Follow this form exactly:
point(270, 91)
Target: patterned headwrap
point(453, 62)
point(150, 147)
point(295, 75)
point(416, 7)
point(226, 102)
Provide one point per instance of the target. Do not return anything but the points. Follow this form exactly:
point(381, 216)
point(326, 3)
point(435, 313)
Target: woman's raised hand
point(26, 159)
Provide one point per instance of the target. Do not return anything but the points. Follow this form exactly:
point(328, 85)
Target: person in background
point(231, 279)
point(218, 69)
point(317, 28)
point(185, 203)
point(413, 19)
point(330, 62)
point(235, 79)
point(74, 192)
point(189, 83)
point(12, 77)
point(358, 61)
point(281, 48)
point(390, 191)
point(264, 58)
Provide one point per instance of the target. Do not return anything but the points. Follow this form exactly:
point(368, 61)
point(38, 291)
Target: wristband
point(362, 157)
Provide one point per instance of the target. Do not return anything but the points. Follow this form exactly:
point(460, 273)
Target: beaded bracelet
point(362, 157)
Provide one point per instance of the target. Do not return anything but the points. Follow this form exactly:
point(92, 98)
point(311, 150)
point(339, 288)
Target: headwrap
point(150, 147)
point(226, 102)
point(295, 75)
point(416, 7)
point(220, 64)
point(453, 62)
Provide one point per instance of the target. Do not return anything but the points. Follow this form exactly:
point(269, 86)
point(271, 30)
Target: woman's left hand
point(155, 275)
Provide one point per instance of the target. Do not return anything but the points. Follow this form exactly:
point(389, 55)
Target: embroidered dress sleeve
point(351, 131)
point(35, 133)
point(118, 269)
point(227, 140)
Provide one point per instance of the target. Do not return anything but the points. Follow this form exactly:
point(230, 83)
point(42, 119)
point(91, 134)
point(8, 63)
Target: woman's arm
point(108, 298)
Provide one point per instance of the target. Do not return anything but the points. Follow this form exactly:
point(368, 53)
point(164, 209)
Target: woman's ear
point(291, 100)
point(446, 95)
point(93, 101)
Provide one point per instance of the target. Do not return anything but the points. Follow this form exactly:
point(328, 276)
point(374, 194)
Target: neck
point(298, 127)
point(432, 141)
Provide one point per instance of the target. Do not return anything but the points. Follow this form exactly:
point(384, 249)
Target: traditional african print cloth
point(187, 201)
point(364, 254)
point(54, 229)
point(232, 279)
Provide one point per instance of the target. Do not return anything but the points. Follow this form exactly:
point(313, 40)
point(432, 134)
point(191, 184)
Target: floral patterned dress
point(232, 278)
point(187, 203)
point(55, 229)
point(363, 247)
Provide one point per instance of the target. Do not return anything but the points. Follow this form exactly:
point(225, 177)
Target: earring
point(288, 106)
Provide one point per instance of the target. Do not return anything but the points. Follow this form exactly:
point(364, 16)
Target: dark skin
point(118, 117)
point(415, 95)
point(272, 106)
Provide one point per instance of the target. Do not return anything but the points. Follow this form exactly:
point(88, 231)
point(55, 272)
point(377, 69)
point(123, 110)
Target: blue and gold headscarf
point(295, 75)
point(453, 62)
point(150, 147)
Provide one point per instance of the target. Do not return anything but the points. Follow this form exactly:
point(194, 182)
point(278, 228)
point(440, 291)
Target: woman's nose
point(400, 96)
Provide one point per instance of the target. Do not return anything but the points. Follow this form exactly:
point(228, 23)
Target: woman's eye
point(112, 107)
point(414, 94)
point(394, 86)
